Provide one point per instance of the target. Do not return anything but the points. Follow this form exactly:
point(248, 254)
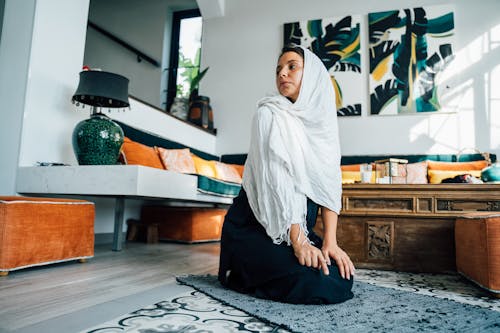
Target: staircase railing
point(140, 55)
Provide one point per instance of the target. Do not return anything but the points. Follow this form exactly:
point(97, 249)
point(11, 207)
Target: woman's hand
point(306, 253)
point(310, 256)
point(330, 248)
point(344, 263)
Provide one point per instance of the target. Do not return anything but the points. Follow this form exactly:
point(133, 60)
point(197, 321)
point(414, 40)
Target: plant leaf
point(196, 80)
point(402, 61)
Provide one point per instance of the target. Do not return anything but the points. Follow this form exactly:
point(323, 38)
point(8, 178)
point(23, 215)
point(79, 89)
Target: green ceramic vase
point(97, 141)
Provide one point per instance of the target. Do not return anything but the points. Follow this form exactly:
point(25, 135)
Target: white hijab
point(294, 154)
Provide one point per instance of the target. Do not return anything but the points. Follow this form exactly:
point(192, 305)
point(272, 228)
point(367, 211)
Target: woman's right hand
point(309, 255)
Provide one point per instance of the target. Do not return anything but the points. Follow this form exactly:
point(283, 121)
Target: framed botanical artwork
point(408, 50)
point(336, 41)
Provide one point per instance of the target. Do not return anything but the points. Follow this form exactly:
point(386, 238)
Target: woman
point(268, 247)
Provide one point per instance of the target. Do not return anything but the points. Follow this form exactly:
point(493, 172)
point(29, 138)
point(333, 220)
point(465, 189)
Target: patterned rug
point(193, 311)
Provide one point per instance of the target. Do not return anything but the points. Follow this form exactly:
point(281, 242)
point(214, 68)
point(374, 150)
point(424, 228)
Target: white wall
point(241, 50)
point(55, 61)
point(14, 62)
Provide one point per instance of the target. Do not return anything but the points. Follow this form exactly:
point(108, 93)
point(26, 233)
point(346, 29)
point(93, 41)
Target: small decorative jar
point(200, 112)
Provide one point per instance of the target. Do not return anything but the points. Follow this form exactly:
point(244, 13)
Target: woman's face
point(289, 75)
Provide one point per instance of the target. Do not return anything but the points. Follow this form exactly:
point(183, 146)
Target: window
point(185, 51)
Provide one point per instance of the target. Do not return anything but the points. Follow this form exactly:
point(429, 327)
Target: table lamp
point(97, 140)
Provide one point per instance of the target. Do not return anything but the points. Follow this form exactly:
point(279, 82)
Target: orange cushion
point(457, 166)
point(136, 153)
point(178, 160)
point(204, 167)
point(350, 167)
point(239, 167)
point(227, 173)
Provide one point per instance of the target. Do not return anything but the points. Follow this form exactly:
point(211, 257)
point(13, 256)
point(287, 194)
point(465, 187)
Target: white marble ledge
point(112, 180)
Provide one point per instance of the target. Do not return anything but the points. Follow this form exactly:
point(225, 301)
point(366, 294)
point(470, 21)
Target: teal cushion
point(217, 187)
point(491, 174)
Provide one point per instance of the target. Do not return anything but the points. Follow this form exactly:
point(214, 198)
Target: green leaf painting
point(337, 43)
point(408, 50)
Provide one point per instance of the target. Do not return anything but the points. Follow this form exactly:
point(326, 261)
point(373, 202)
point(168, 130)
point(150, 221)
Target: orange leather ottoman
point(477, 242)
point(39, 231)
point(185, 224)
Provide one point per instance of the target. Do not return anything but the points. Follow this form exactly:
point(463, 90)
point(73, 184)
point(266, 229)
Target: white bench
point(115, 181)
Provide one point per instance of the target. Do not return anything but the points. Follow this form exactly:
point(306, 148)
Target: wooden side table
point(408, 227)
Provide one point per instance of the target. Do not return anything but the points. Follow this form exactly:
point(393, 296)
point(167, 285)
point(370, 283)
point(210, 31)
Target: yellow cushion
point(139, 154)
point(457, 166)
point(351, 177)
point(204, 167)
point(437, 176)
point(178, 160)
point(227, 173)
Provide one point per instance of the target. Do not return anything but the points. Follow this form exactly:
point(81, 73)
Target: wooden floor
point(34, 295)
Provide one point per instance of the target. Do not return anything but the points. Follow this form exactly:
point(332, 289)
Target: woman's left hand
point(344, 263)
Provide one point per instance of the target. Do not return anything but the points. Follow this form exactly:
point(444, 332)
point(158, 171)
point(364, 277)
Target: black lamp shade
point(102, 89)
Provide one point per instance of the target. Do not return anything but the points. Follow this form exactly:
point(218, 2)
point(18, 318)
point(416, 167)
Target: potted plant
point(187, 87)
point(182, 102)
point(200, 111)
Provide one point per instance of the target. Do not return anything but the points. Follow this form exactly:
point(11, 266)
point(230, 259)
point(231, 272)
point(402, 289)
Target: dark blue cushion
point(357, 159)
point(150, 139)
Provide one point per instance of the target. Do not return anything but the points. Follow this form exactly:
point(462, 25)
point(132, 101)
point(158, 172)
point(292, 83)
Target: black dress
point(251, 263)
